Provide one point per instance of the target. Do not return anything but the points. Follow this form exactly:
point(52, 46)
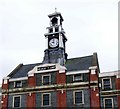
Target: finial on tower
point(55, 9)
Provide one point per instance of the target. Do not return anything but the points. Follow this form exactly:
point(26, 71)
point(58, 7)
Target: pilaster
point(94, 89)
point(5, 86)
point(31, 96)
point(61, 99)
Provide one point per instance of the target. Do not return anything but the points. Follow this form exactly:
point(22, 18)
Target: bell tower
point(55, 39)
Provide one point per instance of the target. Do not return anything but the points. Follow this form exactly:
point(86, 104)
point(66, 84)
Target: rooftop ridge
point(80, 57)
point(33, 64)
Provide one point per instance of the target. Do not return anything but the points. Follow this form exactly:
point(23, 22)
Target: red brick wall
point(93, 77)
point(5, 86)
point(94, 98)
point(31, 101)
point(61, 99)
point(5, 101)
point(61, 94)
point(61, 78)
point(118, 88)
point(31, 97)
point(5, 97)
point(118, 83)
point(31, 81)
point(94, 92)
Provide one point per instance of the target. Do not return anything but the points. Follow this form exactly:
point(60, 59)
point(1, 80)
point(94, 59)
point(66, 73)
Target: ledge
point(110, 92)
point(47, 87)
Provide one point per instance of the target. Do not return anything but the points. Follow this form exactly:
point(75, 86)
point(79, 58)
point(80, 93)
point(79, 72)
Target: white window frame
point(103, 83)
point(49, 100)
point(104, 102)
point(15, 84)
point(74, 97)
point(49, 79)
point(14, 100)
point(78, 80)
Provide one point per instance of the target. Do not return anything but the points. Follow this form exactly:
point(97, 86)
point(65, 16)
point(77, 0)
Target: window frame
point(56, 28)
point(103, 83)
point(81, 78)
point(54, 21)
point(16, 85)
point(49, 79)
point(104, 103)
point(82, 97)
point(13, 105)
point(49, 99)
point(50, 30)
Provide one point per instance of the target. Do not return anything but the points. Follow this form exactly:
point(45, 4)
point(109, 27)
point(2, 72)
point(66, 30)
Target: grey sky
point(90, 26)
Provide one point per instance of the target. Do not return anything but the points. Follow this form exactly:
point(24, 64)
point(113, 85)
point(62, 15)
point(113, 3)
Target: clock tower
point(55, 39)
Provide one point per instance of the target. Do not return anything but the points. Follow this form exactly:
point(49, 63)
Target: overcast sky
point(90, 26)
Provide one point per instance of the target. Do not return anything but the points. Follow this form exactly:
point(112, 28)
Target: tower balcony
point(57, 29)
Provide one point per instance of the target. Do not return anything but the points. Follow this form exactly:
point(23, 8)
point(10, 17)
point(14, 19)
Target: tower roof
point(56, 14)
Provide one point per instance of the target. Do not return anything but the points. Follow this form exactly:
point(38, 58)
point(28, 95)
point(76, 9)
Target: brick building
point(109, 83)
point(58, 81)
point(0, 95)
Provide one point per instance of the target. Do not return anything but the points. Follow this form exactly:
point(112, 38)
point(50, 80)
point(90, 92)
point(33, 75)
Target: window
point(50, 30)
point(16, 101)
point(46, 79)
point(108, 103)
point(106, 83)
point(54, 21)
point(46, 99)
point(56, 29)
point(18, 84)
point(78, 97)
point(77, 77)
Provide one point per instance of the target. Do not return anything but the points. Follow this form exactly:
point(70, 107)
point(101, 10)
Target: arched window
point(54, 21)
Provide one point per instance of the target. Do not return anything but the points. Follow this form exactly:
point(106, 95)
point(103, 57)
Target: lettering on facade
point(46, 68)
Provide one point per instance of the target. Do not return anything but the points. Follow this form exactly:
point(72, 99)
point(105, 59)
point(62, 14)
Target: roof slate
point(72, 64)
point(23, 70)
point(81, 63)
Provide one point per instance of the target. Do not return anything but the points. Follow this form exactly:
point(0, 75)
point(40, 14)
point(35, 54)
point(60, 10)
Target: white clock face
point(53, 42)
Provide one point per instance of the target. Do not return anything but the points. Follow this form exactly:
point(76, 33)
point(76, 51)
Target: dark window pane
point(78, 97)
point(50, 30)
point(45, 99)
point(54, 21)
point(16, 101)
point(106, 83)
point(77, 77)
point(56, 29)
point(18, 84)
point(108, 103)
point(45, 80)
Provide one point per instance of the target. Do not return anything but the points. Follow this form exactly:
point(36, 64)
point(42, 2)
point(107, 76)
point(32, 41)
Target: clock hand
point(53, 41)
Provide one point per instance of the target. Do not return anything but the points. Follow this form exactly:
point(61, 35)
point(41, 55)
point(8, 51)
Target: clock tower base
point(56, 55)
